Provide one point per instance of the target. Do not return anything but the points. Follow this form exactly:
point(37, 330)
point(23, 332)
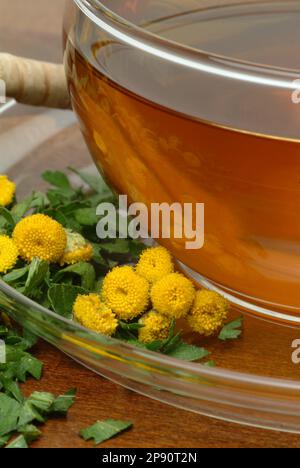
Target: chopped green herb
point(210, 364)
point(30, 433)
point(232, 330)
point(9, 414)
point(63, 403)
point(104, 430)
point(18, 443)
point(187, 352)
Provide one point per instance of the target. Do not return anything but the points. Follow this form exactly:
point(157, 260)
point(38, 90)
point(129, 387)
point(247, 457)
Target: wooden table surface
point(33, 28)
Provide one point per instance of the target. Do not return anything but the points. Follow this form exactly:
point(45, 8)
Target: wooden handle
point(35, 83)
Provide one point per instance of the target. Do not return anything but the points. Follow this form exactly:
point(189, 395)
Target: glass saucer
point(255, 382)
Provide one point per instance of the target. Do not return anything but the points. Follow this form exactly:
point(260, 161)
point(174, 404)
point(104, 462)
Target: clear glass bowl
point(255, 384)
point(195, 101)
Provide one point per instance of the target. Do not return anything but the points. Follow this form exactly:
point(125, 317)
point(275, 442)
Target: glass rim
point(183, 55)
point(197, 369)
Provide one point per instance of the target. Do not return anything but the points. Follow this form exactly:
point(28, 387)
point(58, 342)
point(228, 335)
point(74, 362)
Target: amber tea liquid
point(151, 131)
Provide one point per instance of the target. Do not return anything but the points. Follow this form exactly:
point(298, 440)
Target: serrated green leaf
point(63, 403)
point(95, 182)
point(16, 274)
point(232, 330)
point(84, 270)
point(62, 298)
point(187, 352)
point(28, 365)
point(28, 414)
point(20, 209)
point(11, 388)
point(105, 430)
point(9, 414)
point(57, 179)
point(42, 401)
point(38, 272)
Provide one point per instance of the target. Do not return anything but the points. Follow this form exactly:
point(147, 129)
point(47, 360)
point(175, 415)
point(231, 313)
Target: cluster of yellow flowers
point(41, 236)
point(151, 291)
point(154, 293)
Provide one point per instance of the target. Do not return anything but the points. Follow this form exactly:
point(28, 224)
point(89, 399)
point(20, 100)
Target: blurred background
point(17, 34)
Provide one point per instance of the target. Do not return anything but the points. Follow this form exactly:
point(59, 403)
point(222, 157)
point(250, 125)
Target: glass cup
point(196, 102)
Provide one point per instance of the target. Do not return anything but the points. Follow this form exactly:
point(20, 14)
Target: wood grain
point(33, 29)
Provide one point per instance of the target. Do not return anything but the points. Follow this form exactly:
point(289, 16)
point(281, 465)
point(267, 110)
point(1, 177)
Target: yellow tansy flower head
point(7, 191)
point(155, 327)
point(154, 264)
point(77, 249)
point(173, 295)
point(125, 292)
point(40, 236)
point(93, 314)
point(8, 254)
point(209, 312)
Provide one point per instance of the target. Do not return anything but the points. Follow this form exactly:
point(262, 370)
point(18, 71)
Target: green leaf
point(16, 274)
point(11, 388)
point(98, 257)
point(210, 363)
point(130, 326)
point(63, 403)
point(29, 339)
point(28, 414)
point(86, 216)
point(62, 298)
point(94, 182)
point(187, 352)
point(232, 330)
point(40, 202)
point(18, 443)
point(28, 365)
point(9, 218)
point(42, 401)
point(38, 272)
point(57, 179)
point(9, 414)
point(136, 248)
point(82, 269)
point(4, 440)
point(20, 209)
point(118, 247)
point(30, 432)
point(127, 332)
point(104, 430)
point(172, 341)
